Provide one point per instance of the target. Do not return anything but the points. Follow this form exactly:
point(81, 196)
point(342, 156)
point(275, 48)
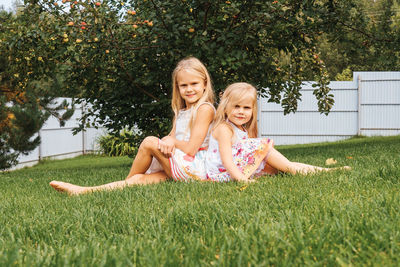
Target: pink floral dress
point(249, 155)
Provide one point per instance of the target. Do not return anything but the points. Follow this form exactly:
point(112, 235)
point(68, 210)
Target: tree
point(367, 39)
point(24, 106)
point(119, 56)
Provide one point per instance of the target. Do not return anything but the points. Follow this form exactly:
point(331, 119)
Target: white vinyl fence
point(368, 105)
point(59, 142)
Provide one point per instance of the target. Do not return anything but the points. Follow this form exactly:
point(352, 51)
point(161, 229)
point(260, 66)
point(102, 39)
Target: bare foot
point(345, 168)
point(68, 188)
point(314, 170)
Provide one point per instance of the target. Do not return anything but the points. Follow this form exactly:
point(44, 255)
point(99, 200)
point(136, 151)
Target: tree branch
point(122, 64)
point(205, 16)
point(364, 33)
point(160, 15)
point(4, 89)
point(142, 47)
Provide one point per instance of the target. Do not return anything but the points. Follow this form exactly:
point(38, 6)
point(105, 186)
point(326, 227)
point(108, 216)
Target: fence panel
point(368, 105)
point(59, 142)
point(379, 103)
point(307, 125)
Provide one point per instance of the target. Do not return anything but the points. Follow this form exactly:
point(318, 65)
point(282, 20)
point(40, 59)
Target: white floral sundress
point(249, 155)
point(185, 168)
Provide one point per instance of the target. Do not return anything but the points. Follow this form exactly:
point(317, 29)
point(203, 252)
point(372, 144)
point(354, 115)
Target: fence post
point(259, 99)
point(83, 131)
point(359, 105)
point(40, 146)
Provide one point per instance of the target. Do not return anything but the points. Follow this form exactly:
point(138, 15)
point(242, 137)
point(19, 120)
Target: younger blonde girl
point(235, 152)
point(180, 155)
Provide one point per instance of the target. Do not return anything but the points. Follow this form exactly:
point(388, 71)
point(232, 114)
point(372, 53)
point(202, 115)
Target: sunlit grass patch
point(337, 218)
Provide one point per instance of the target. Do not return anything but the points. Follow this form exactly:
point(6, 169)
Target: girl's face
point(241, 112)
point(191, 87)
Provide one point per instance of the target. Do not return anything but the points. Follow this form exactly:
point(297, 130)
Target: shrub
point(124, 143)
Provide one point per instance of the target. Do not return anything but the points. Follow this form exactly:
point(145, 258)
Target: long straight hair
point(233, 95)
point(196, 67)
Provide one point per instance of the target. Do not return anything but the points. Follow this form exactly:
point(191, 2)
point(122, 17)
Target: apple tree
point(119, 55)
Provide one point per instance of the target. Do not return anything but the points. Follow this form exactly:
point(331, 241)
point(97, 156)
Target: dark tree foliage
point(119, 56)
point(367, 37)
point(24, 104)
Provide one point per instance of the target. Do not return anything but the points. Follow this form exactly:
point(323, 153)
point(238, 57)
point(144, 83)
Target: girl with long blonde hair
point(181, 154)
point(235, 152)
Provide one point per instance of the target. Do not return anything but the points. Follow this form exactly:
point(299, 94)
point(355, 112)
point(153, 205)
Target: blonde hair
point(195, 66)
point(232, 95)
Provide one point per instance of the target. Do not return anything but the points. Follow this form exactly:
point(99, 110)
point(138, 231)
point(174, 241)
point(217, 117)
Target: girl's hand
point(223, 134)
point(242, 179)
point(167, 146)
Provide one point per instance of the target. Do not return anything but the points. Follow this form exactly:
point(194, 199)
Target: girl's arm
point(172, 133)
point(204, 117)
point(167, 145)
point(223, 134)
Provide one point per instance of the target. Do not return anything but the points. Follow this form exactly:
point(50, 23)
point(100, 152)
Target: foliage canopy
point(119, 56)
point(367, 38)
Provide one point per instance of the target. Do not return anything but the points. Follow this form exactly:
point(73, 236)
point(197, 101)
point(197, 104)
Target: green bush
point(124, 143)
point(346, 75)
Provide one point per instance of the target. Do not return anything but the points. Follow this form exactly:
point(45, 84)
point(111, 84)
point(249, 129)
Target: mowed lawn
point(328, 219)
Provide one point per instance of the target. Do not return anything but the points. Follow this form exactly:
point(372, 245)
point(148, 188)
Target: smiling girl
point(181, 154)
point(235, 152)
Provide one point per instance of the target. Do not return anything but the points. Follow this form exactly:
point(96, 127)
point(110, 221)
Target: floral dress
point(249, 155)
point(184, 167)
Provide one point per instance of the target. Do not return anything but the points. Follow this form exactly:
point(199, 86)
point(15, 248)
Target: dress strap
point(235, 127)
point(208, 103)
point(238, 133)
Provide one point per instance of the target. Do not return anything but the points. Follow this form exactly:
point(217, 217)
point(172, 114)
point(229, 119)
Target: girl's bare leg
point(138, 179)
point(318, 169)
point(147, 150)
point(268, 169)
point(278, 161)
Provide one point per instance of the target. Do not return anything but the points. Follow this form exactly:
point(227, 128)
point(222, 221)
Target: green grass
point(334, 219)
